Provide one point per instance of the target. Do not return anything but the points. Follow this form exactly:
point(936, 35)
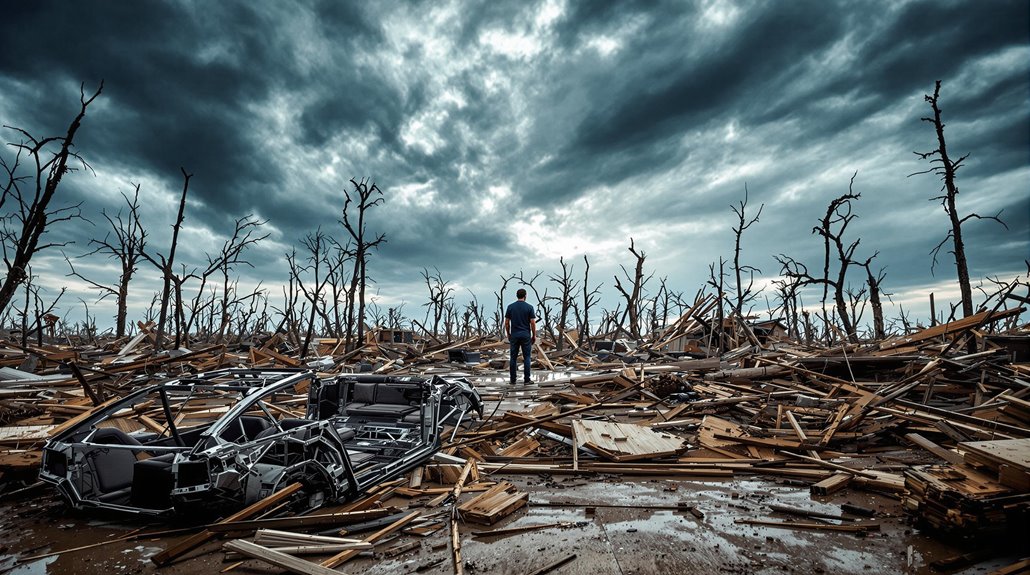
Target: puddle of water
point(37, 567)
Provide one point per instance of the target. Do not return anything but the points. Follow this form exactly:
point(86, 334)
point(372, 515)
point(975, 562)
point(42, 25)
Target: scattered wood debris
point(916, 417)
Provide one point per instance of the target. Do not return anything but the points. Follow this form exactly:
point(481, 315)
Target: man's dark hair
point(521, 294)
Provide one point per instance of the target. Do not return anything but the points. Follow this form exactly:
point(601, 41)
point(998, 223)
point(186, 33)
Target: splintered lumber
point(554, 565)
point(832, 484)
point(15, 434)
point(624, 441)
point(960, 498)
point(456, 560)
point(344, 556)
point(949, 328)
point(862, 528)
point(945, 454)
point(497, 503)
point(530, 423)
point(275, 538)
point(523, 529)
point(192, 542)
point(1009, 458)
point(278, 559)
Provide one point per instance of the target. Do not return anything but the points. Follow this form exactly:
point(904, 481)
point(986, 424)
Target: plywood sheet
point(625, 441)
point(1014, 452)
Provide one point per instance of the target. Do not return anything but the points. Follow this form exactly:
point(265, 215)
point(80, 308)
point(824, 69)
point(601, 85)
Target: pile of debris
point(918, 418)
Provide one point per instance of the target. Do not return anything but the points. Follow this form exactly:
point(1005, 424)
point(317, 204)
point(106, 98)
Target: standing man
point(520, 327)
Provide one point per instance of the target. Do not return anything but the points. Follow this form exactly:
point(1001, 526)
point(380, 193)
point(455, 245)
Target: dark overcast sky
point(508, 134)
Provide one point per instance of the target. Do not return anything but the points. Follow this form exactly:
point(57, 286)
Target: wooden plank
point(625, 438)
point(495, 504)
point(321, 519)
point(1013, 452)
point(945, 454)
point(948, 328)
point(280, 560)
point(832, 484)
point(344, 556)
point(192, 542)
point(865, 527)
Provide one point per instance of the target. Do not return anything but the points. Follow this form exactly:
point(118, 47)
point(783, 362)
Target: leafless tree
point(567, 288)
point(338, 260)
point(499, 314)
point(787, 287)
point(166, 265)
point(244, 236)
point(33, 312)
point(717, 279)
point(543, 302)
point(365, 196)
point(590, 299)
point(745, 294)
point(21, 231)
point(317, 246)
point(943, 166)
point(439, 296)
point(634, 293)
point(874, 281)
point(126, 247)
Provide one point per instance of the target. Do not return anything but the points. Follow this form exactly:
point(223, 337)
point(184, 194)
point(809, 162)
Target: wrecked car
point(221, 440)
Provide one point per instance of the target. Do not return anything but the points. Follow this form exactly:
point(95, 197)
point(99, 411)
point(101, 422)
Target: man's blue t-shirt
point(519, 313)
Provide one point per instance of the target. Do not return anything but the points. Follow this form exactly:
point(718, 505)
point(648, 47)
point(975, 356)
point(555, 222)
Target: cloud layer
point(508, 134)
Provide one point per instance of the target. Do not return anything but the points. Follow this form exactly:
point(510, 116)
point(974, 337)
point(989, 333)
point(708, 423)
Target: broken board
point(625, 441)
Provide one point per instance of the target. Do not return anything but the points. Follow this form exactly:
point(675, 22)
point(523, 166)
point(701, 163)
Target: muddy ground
point(617, 526)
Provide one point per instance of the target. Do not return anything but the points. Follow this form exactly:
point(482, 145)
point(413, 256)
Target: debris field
point(909, 454)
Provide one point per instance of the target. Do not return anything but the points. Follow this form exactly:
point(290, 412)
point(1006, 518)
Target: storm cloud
point(507, 135)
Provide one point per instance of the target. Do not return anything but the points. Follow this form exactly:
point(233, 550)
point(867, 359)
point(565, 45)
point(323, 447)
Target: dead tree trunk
point(947, 170)
point(874, 282)
point(744, 294)
point(166, 265)
point(631, 316)
point(126, 247)
point(567, 287)
point(34, 213)
point(838, 213)
point(368, 196)
point(590, 298)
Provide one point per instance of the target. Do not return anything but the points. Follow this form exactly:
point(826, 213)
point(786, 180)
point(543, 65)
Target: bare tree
point(439, 296)
point(943, 166)
point(33, 308)
point(126, 247)
point(166, 265)
point(543, 302)
point(590, 298)
point(499, 314)
point(744, 294)
point(21, 232)
point(718, 281)
point(317, 246)
point(874, 281)
point(634, 294)
point(567, 287)
point(787, 292)
point(368, 196)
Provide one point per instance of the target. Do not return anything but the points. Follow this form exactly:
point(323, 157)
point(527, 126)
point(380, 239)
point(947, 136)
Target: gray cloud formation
point(508, 134)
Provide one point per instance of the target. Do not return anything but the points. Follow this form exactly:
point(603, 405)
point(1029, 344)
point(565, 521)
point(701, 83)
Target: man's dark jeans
point(524, 343)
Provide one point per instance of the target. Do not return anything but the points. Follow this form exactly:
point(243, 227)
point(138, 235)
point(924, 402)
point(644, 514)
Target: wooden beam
point(345, 556)
point(280, 560)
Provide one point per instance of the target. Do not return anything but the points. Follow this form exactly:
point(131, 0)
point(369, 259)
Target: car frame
point(220, 440)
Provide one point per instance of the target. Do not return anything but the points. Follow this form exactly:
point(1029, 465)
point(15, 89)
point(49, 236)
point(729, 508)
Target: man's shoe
point(526, 381)
point(512, 382)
